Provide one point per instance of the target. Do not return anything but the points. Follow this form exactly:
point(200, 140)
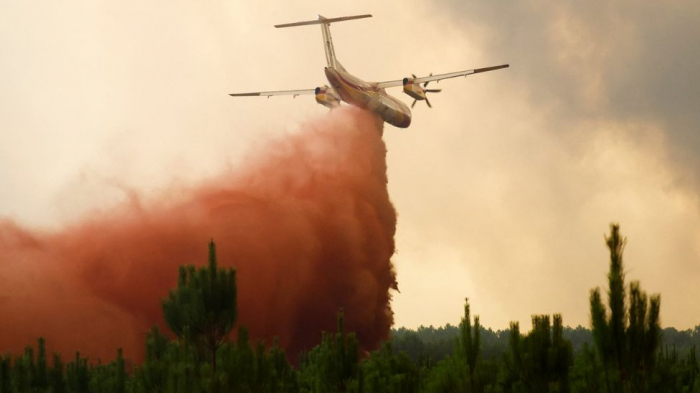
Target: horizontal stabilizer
point(275, 93)
point(322, 20)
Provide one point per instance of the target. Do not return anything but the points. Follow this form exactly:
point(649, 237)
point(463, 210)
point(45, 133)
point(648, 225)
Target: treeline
point(438, 342)
point(625, 350)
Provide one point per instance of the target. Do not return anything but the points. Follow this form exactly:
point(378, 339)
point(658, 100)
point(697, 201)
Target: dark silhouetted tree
point(56, 379)
point(203, 306)
point(627, 336)
point(469, 343)
point(5, 374)
point(78, 375)
point(540, 361)
point(331, 365)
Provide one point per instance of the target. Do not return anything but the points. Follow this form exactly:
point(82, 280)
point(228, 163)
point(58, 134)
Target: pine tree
point(153, 373)
point(626, 337)
point(5, 374)
point(203, 305)
point(120, 371)
point(331, 365)
point(56, 379)
point(78, 375)
point(469, 344)
point(540, 361)
point(41, 380)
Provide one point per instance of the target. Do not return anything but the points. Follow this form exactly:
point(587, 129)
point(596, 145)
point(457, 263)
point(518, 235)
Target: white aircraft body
point(371, 96)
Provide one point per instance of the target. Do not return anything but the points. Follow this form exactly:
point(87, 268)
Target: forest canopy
point(623, 350)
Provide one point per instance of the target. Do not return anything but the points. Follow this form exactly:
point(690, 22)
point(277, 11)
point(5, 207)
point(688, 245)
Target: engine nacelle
point(413, 89)
point(327, 97)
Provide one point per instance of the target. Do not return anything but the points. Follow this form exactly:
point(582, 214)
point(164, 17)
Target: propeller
point(426, 92)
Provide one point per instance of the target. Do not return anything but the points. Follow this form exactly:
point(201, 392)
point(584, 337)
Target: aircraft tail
point(327, 40)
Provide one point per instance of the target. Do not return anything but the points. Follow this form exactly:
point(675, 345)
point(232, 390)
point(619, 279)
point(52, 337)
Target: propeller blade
point(426, 83)
point(414, 103)
point(433, 90)
point(428, 102)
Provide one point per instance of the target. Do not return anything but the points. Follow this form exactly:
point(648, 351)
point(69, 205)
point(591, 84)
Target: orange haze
point(307, 223)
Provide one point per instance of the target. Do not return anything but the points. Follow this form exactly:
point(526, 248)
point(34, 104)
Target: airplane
point(371, 96)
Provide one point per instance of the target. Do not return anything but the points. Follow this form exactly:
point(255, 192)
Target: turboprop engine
point(327, 97)
point(417, 91)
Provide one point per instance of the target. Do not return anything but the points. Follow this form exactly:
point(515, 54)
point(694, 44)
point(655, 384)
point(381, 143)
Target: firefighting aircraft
point(367, 95)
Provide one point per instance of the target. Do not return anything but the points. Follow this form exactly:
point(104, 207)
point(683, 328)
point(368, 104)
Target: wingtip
point(493, 68)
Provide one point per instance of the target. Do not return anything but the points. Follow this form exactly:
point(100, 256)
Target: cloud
point(627, 61)
point(594, 122)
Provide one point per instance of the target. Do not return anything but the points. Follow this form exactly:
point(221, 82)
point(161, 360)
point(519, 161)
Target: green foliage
point(6, 374)
point(429, 345)
point(469, 345)
point(57, 381)
point(109, 378)
point(332, 365)
point(448, 376)
point(78, 375)
point(540, 361)
point(385, 372)
point(465, 370)
point(203, 306)
point(620, 354)
point(152, 375)
point(675, 373)
point(40, 379)
point(627, 336)
point(585, 372)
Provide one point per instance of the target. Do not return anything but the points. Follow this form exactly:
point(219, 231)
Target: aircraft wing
point(274, 93)
point(440, 77)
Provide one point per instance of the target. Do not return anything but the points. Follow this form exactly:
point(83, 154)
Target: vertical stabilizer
point(325, 23)
point(328, 43)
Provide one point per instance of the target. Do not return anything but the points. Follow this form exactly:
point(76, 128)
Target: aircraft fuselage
point(359, 93)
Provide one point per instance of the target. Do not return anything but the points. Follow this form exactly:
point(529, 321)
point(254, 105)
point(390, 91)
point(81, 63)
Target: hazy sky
point(504, 189)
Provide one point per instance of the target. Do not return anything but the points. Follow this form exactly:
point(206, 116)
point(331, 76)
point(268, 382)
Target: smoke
point(307, 222)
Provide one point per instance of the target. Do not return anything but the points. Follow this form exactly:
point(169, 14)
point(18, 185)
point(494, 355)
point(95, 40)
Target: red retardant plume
point(307, 224)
